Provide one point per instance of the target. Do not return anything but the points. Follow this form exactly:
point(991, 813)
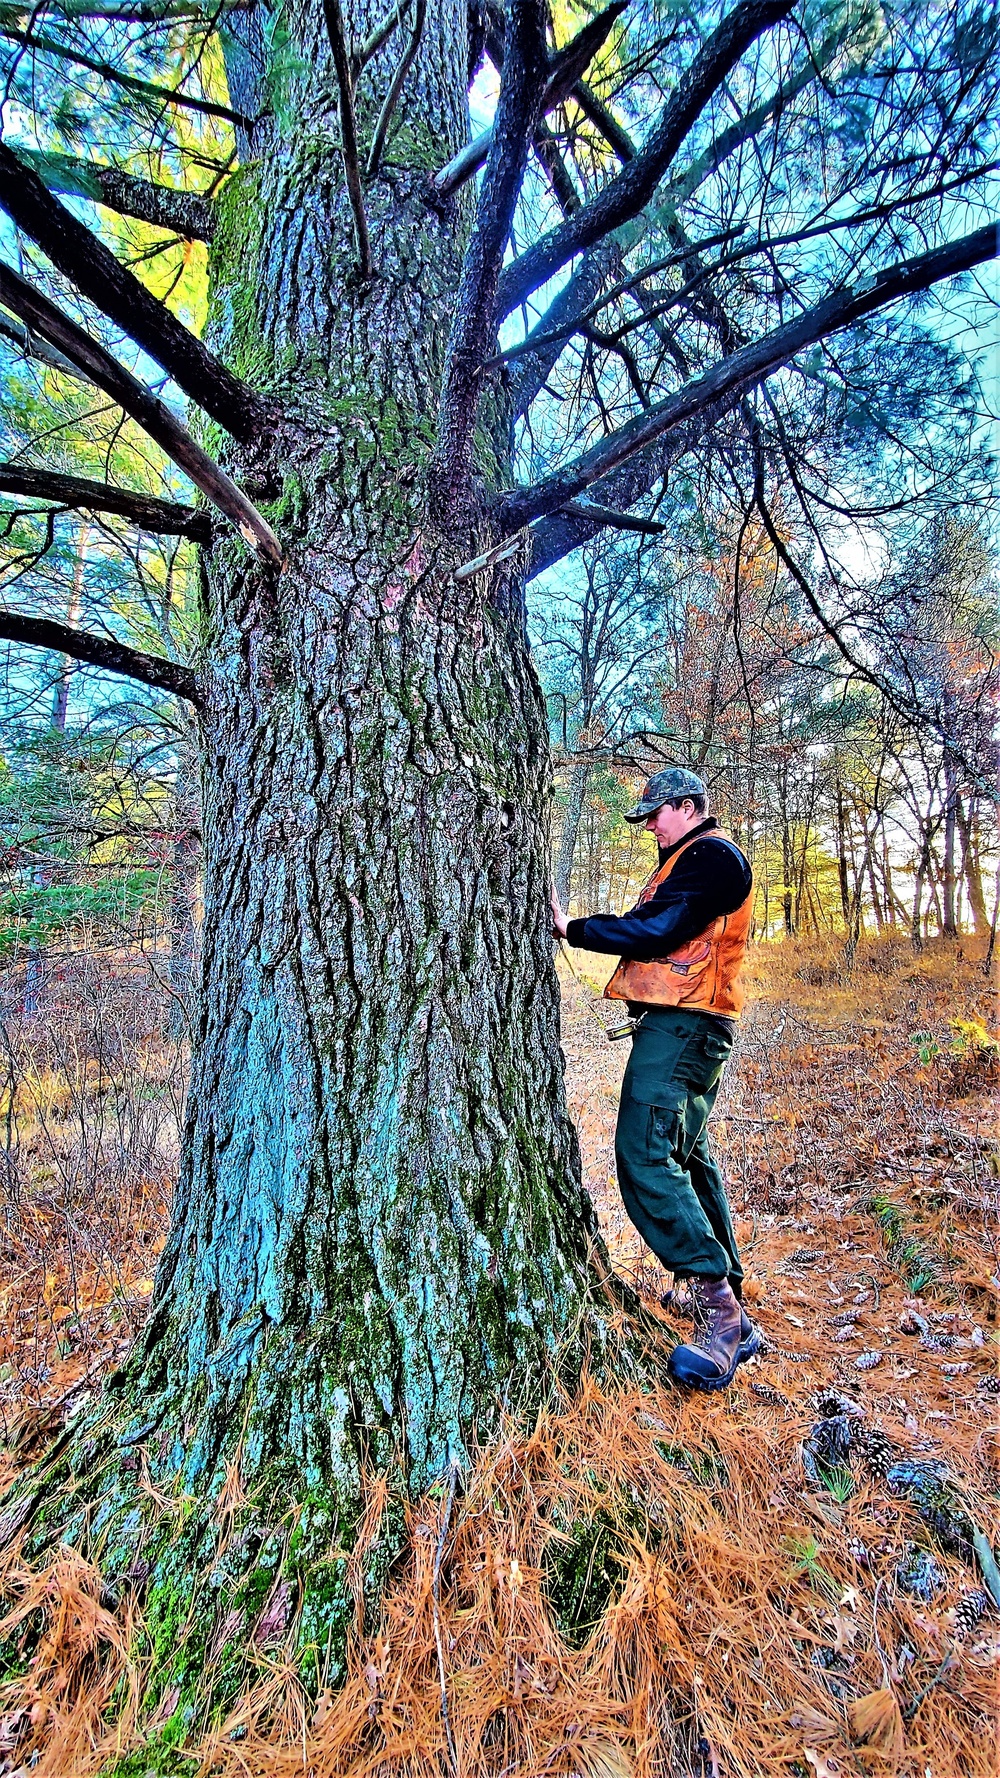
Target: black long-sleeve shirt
point(712, 878)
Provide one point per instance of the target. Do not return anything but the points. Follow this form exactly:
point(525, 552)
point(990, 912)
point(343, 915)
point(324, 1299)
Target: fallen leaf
point(825, 1766)
point(845, 1630)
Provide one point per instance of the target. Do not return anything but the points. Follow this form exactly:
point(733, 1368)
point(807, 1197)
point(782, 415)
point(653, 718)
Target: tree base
point(185, 1599)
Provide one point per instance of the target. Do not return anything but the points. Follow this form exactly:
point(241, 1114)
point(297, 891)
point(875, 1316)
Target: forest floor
point(649, 1585)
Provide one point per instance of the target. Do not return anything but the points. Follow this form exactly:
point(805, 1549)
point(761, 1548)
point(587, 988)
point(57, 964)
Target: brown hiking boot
point(751, 1338)
point(709, 1360)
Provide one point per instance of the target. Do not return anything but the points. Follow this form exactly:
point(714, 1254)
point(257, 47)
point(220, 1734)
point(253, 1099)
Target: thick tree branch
point(186, 213)
point(102, 651)
point(570, 526)
point(473, 330)
point(45, 319)
point(159, 95)
point(348, 131)
point(95, 271)
point(547, 153)
point(617, 139)
point(564, 72)
point(539, 352)
point(578, 295)
point(721, 386)
point(627, 194)
point(166, 517)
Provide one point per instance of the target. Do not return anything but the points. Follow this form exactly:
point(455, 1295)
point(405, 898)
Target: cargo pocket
point(664, 1108)
point(717, 1053)
point(703, 1062)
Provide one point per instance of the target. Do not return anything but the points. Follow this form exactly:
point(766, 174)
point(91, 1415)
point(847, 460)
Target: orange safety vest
point(703, 974)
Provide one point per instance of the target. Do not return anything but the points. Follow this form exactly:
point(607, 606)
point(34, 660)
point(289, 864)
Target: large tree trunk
point(380, 1239)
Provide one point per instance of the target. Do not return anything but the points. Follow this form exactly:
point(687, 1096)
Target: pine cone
point(877, 1450)
point(769, 1394)
point(991, 1383)
point(867, 1361)
point(970, 1611)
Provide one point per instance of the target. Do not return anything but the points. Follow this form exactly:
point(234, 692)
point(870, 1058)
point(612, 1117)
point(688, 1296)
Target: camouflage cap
point(662, 788)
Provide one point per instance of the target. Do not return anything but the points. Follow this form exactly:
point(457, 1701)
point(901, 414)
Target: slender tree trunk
point(380, 1240)
point(845, 890)
point(923, 867)
point(34, 974)
point(967, 827)
point(576, 797)
point(949, 922)
point(876, 898)
point(184, 945)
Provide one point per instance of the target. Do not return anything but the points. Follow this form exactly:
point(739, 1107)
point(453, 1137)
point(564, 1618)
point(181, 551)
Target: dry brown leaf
point(603, 1759)
point(875, 1721)
point(846, 1630)
point(817, 1727)
point(824, 1765)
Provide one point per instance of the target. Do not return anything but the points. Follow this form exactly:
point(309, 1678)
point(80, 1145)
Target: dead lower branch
point(166, 517)
point(94, 270)
point(102, 651)
point(349, 132)
point(45, 319)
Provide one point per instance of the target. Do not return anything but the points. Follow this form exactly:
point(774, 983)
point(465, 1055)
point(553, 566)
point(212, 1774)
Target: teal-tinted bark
point(380, 1240)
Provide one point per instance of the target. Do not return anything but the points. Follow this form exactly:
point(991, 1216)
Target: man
point(681, 949)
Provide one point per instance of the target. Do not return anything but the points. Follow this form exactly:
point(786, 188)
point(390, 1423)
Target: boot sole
point(705, 1384)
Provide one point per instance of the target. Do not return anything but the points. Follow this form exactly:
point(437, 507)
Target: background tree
point(379, 1232)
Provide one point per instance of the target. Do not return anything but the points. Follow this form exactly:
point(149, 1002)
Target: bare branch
point(617, 139)
point(161, 95)
point(564, 72)
point(44, 318)
point(166, 517)
point(103, 651)
point(522, 83)
point(606, 515)
point(546, 149)
point(363, 53)
point(33, 347)
point(627, 194)
point(546, 335)
point(349, 132)
point(395, 88)
point(722, 385)
point(187, 213)
point(87, 263)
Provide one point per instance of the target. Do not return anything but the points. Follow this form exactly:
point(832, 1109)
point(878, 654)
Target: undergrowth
point(642, 1585)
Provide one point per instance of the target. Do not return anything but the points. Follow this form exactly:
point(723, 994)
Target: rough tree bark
point(380, 1239)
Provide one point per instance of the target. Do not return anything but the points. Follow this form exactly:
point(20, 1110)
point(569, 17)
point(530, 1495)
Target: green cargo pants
point(669, 1181)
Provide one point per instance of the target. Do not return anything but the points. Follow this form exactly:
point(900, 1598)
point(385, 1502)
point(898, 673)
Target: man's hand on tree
point(559, 921)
